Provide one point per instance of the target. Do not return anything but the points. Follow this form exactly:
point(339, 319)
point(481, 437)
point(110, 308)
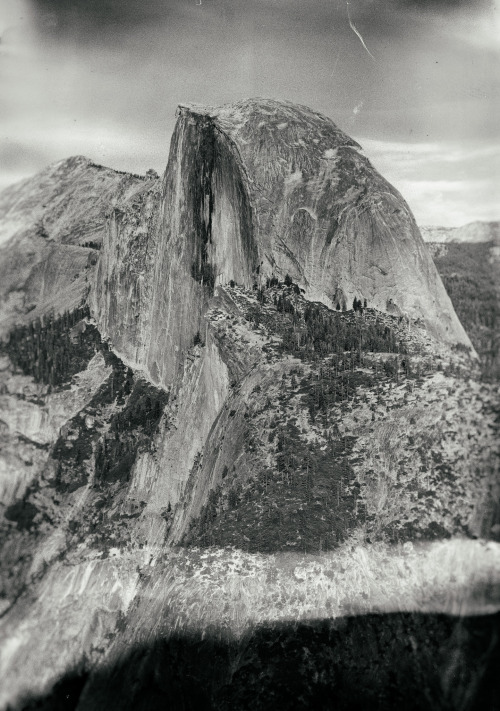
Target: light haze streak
point(354, 29)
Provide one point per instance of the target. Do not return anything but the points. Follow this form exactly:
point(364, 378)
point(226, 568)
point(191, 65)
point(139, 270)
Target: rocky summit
point(251, 191)
point(249, 456)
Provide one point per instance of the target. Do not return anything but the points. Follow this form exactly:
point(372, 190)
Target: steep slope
point(471, 275)
point(309, 463)
point(205, 460)
point(51, 227)
point(263, 188)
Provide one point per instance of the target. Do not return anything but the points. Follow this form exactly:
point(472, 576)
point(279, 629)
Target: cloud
point(409, 156)
point(446, 183)
point(110, 145)
point(103, 77)
point(451, 203)
point(481, 31)
point(444, 5)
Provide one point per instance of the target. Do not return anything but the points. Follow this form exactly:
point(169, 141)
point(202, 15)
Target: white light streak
point(354, 29)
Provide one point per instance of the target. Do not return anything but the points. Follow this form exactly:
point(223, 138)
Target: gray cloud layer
point(103, 77)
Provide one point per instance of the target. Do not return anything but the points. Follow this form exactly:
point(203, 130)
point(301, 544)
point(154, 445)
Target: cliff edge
point(257, 189)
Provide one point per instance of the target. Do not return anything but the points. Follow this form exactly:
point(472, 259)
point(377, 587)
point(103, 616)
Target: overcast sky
point(416, 82)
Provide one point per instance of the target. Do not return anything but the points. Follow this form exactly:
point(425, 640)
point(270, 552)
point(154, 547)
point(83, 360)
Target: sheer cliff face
point(264, 188)
point(123, 285)
point(322, 213)
point(131, 516)
point(204, 238)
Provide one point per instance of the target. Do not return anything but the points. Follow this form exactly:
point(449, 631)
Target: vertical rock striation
point(123, 286)
point(205, 238)
point(251, 190)
point(287, 429)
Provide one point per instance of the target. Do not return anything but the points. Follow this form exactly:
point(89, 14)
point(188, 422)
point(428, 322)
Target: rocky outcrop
point(321, 212)
point(252, 190)
point(94, 616)
point(291, 438)
point(51, 228)
point(124, 280)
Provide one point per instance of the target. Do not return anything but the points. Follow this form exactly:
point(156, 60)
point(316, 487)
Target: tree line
point(313, 329)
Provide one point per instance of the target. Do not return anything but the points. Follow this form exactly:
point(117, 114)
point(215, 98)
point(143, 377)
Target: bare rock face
point(51, 227)
point(322, 213)
point(124, 281)
point(221, 452)
point(204, 238)
point(257, 189)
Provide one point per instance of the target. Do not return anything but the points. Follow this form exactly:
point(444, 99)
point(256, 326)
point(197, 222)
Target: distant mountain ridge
point(472, 232)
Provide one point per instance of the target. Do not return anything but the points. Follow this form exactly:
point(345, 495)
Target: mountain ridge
point(474, 232)
point(196, 444)
point(288, 193)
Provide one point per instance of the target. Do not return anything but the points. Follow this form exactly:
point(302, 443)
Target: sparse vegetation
point(130, 430)
point(198, 340)
point(302, 504)
point(310, 330)
point(311, 483)
point(99, 445)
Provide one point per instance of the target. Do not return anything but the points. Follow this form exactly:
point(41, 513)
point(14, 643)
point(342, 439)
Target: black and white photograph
point(249, 355)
